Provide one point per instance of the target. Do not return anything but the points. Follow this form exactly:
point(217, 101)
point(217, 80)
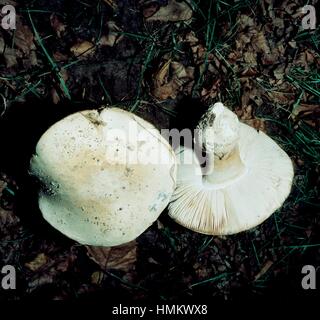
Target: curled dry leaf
point(170, 79)
point(10, 57)
point(245, 21)
point(24, 46)
point(213, 91)
point(24, 38)
point(83, 49)
point(260, 43)
point(39, 261)
point(97, 277)
point(120, 257)
point(246, 115)
point(309, 113)
point(49, 269)
point(59, 57)
point(173, 11)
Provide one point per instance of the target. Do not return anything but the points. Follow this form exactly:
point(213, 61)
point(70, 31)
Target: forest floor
point(166, 61)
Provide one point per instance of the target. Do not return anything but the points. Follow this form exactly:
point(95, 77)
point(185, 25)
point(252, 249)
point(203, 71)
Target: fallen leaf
point(309, 113)
point(83, 49)
point(245, 21)
point(97, 277)
point(50, 270)
point(162, 75)
point(120, 258)
point(250, 58)
point(23, 46)
point(10, 57)
point(170, 79)
point(258, 124)
point(173, 11)
point(260, 43)
point(39, 261)
point(23, 39)
point(59, 57)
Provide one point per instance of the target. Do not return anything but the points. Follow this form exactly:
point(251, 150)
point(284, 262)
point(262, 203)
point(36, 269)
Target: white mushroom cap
point(105, 177)
point(246, 184)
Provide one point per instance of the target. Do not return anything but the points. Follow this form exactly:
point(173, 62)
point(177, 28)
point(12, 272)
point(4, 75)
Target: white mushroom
point(246, 178)
point(105, 176)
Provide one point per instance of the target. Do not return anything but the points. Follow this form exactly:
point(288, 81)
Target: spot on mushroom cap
point(100, 184)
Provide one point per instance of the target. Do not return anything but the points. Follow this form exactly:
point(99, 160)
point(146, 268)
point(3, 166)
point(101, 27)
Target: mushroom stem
point(219, 132)
point(226, 170)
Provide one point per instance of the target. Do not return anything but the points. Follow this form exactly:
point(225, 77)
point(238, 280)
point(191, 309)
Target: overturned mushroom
point(246, 178)
point(105, 177)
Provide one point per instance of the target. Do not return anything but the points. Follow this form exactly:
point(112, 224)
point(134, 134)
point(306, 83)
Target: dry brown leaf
point(258, 124)
point(304, 59)
point(10, 57)
point(242, 40)
point(260, 43)
point(24, 46)
point(24, 38)
point(162, 75)
point(50, 271)
point(250, 58)
point(59, 57)
point(283, 98)
point(245, 113)
point(213, 91)
point(40, 260)
point(191, 38)
point(120, 258)
point(97, 277)
point(83, 49)
point(245, 21)
point(305, 110)
point(279, 72)
point(173, 11)
point(171, 77)
point(168, 90)
point(179, 70)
